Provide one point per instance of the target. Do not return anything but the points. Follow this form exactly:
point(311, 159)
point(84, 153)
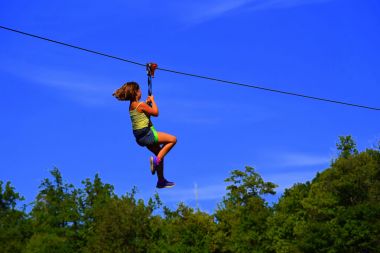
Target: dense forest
point(337, 211)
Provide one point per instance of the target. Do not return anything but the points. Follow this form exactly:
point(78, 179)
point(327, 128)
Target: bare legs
point(165, 143)
point(168, 142)
point(155, 149)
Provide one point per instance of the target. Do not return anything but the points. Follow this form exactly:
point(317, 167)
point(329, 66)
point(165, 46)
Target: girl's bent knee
point(174, 140)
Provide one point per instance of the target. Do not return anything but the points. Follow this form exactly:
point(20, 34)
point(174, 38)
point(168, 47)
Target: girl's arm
point(152, 111)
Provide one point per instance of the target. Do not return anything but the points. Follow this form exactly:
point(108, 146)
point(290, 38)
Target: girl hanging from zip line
point(158, 143)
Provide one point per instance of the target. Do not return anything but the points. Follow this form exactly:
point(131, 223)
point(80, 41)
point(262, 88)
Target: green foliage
point(8, 197)
point(13, 223)
point(338, 211)
point(288, 212)
point(346, 146)
point(55, 206)
point(241, 218)
point(47, 243)
point(56, 211)
point(184, 230)
point(121, 225)
point(247, 185)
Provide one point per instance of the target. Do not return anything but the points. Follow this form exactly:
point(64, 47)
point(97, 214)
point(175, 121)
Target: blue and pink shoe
point(154, 163)
point(165, 184)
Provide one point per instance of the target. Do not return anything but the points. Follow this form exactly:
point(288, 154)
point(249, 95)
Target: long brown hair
point(127, 92)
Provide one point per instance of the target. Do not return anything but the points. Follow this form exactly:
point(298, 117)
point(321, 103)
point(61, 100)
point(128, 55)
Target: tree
point(121, 224)
point(242, 216)
point(55, 216)
point(48, 243)
point(338, 211)
point(95, 195)
point(186, 230)
point(14, 227)
point(288, 212)
point(346, 146)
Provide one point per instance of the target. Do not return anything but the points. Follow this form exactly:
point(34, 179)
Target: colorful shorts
point(146, 136)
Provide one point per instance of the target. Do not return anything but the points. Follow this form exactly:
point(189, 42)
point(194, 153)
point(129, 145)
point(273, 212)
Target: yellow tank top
point(139, 119)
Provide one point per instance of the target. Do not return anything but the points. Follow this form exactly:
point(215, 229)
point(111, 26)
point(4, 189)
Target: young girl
point(158, 143)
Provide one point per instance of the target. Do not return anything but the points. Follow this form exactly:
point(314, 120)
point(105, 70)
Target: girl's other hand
point(150, 99)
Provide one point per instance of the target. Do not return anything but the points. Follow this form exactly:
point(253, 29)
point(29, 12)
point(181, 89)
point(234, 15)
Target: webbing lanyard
point(150, 68)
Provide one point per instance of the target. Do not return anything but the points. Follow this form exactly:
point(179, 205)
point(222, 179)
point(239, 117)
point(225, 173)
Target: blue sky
point(57, 110)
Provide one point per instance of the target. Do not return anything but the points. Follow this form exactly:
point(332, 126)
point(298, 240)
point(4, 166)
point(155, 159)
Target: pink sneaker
point(154, 163)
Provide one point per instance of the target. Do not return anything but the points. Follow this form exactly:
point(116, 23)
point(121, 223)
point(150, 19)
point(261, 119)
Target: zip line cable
point(193, 75)
point(72, 46)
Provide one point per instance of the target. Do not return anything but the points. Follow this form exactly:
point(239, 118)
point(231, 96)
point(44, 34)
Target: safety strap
point(150, 68)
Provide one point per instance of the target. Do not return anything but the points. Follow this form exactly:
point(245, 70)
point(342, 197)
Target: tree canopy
point(337, 211)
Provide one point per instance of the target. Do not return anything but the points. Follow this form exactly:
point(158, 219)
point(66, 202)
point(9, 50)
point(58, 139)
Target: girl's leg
point(155, 149)
point(168, 142)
